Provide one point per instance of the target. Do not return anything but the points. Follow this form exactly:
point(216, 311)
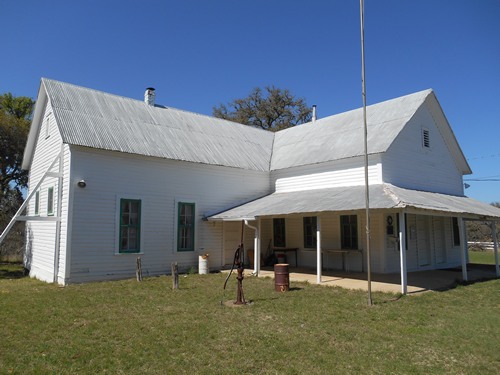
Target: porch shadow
point(420, 281)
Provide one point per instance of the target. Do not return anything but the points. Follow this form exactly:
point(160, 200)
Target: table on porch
point(343, 252)
point(286, 250)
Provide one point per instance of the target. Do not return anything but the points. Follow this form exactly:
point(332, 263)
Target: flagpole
point(365, 127)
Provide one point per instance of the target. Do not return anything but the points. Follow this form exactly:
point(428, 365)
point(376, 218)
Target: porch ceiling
point(383, 196)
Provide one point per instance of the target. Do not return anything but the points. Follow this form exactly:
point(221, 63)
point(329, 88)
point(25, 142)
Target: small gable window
point(50, 201)
point(426, 141)
point(37, 203)
point(47, 126)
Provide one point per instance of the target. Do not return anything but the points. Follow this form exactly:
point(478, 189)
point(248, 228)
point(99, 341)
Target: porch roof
point(382, 196)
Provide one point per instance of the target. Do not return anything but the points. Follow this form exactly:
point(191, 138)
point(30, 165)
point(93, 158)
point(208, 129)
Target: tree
point(273, 110)
point(15, 117)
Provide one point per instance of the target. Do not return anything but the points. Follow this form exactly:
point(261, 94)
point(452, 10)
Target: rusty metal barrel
point(281, 277)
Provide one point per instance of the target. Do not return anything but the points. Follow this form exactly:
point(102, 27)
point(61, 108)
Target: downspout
point(256, 255)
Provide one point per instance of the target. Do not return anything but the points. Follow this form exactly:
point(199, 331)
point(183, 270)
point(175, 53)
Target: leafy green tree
point(270, 109)
point(15, 117)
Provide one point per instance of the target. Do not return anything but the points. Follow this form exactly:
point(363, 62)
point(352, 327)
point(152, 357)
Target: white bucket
point(202, 265)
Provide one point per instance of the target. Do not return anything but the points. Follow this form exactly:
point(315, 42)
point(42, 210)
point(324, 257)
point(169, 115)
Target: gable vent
point(426, 142)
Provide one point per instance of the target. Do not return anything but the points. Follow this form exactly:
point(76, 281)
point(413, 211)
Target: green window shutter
point(130, 226)
point(185, 226)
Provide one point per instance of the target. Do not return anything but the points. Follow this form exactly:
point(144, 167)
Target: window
point(50, 201)
point(185, 227)
point(37, 203)
point(426, 142)
point(456, 231)
point(349, 231)
point(47, 126)
point(130, 225)
point(279, 232)
point(310, 232)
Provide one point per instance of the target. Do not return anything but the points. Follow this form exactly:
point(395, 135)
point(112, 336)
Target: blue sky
point(198, 54)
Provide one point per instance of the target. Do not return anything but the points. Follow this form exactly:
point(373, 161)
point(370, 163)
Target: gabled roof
point(341, 136)
point(99, 120)
point(104, 121)
point(382, 196)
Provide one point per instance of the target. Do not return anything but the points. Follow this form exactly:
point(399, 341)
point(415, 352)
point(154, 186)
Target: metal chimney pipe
point(149, 96)
point(314, 114)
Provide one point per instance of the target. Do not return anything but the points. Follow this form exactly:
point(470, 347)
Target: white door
point(423, 243)
point(439, 240)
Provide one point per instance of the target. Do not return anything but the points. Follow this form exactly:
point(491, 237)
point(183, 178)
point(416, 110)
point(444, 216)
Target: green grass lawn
point(481, 257)
point(126, 327)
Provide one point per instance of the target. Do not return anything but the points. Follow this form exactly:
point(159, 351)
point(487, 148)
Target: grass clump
point(129, 327)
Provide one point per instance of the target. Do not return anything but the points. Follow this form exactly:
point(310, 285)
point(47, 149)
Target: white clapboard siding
point(409, 164)
point(41, 236)
point(160, 184)
point(340, 173)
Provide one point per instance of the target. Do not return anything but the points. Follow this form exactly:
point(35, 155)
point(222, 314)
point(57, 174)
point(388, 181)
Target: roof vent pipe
point(149, 96)
point(314, 114)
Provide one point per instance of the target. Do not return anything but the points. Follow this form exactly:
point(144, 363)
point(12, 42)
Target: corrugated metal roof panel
point(383, 196)
point(99, 120)
point(92, 118)
point(341, 136)
point(310, 201)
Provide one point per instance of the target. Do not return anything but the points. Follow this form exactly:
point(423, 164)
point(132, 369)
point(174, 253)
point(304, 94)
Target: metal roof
point(99, 120)
point(341, 136)
point(382, 196)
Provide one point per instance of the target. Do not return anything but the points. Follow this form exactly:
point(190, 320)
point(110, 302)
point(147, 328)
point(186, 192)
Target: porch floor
point(418, 282)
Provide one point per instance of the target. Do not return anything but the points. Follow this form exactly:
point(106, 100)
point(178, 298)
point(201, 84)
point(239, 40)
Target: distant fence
point(480, 245)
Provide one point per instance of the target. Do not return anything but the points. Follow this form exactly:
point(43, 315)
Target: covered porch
point(427, 228)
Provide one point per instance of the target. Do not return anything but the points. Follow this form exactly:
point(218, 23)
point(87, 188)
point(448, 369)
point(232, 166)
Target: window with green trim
point(37, 203)
point(50, 201)
point(279, 232)
point(310, 232)
point(185, 227)
point(456, 231)
point(349, 231)
point(130, 226)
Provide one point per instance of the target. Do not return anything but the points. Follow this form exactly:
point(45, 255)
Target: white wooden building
point(112, 178)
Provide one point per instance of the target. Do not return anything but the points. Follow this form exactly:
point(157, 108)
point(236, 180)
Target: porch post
point(257, 257)
point(318, 249)
point(463, 253)
point(495, 246)
point(402, 252)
